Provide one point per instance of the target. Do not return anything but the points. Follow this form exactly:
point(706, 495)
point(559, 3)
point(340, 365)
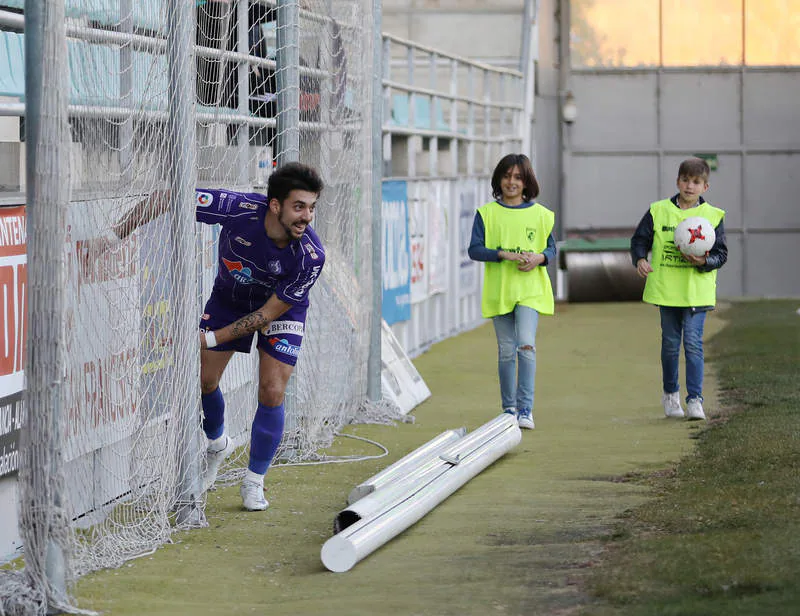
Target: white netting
point(129, 440)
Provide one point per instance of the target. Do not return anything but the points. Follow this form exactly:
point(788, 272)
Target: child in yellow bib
point(513, 236)
point(682, 286)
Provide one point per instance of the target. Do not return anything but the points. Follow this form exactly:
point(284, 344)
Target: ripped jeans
point(516, 356)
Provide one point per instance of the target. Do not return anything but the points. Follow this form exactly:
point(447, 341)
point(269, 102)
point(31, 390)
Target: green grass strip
point(723, 534)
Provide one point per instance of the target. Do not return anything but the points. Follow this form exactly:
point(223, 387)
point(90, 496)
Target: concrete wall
point(460, 27)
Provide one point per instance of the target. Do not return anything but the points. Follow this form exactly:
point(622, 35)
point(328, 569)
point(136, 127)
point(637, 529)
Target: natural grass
point(722, 535)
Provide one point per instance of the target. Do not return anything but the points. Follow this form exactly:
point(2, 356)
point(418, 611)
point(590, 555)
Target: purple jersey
point(251, 267)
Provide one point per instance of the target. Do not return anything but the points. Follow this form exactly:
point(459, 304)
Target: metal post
point(433, 157)
point(47, 194)
point(181, 178)
point(529, 54)
point(387, 106)
point(287, 140)
point(487, 123)
point(243, 92)
point(126, 93)
point(374, 360)
point(287, 77)
point(411, 140)
point(564, 66)
point(471, 120)
point(453, 120)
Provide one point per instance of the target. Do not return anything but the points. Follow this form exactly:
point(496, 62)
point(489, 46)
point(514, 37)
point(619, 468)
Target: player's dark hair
point(694, 168)
point(293, 176)
point(531, 190)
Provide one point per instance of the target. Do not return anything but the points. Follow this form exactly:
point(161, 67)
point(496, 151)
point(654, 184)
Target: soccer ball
point(694, 236)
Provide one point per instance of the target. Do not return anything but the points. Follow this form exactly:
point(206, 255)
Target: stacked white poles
point(391, 501)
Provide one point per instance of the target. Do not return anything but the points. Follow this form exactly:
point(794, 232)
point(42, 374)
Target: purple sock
point(213, 414)
point(265, 437)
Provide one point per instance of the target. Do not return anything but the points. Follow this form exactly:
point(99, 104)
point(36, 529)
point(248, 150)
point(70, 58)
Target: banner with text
point(396, 274)
point(438, 259)
point(13, 327)
point(418, 242)
point(468, 269)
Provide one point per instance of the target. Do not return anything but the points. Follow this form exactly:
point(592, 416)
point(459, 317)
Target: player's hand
point(698, 261)
point(89, 251)
point(643, 267)
point(530, 261)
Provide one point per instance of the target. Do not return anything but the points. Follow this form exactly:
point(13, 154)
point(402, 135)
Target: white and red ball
point(694, 236)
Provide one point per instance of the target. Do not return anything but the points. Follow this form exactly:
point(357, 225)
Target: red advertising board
point(13, 327)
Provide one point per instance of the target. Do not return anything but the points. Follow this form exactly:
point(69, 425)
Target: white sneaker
point(525, 419)
point(214, 459)
point(253, 496)
point(694, 409)
point(672, 404)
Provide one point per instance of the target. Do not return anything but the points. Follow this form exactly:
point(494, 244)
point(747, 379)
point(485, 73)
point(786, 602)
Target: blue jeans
point(677, 323)
point(516, 345)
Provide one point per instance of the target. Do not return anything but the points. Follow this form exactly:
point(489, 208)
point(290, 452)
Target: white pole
point(43, 517)
point(460, 463)
point(181, 177)
point(406, 465)
point(374, 358)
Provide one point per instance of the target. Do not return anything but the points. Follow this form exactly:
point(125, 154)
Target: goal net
point(156, 104)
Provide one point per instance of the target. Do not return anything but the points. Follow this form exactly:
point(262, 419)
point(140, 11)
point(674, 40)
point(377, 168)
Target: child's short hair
point(694, 168)
point(531, 190)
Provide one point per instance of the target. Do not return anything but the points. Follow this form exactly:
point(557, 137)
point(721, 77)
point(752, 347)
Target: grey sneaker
point(672, 404)
point(214, 459)
point(525, 419)
point(253, 496)
point(694, 409)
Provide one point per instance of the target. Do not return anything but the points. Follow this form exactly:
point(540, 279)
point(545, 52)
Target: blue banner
point(396, 251)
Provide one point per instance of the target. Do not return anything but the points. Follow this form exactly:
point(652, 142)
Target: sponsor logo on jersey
point(312, 253)
point(246, 205)
point(530, 234)
point(243, 241)
point(204, 199)
point(312, 277)
point(284, 327)
point(282, 346)
point(274, 267)
point(241, 274)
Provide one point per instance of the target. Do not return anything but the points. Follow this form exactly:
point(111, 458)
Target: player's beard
point(291, 232)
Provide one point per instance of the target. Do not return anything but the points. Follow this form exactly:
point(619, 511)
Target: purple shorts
point(280, 339)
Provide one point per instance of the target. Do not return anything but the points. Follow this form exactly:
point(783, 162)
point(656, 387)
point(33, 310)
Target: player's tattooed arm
point(143, 212)
point(249, 323)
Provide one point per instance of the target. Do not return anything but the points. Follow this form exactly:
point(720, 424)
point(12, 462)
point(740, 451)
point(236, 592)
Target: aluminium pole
point(181, 178)
point(243, 91)
point(374, 360)
point(530, 43)
point(43, 517)
point(287, 142)
point(287, 78)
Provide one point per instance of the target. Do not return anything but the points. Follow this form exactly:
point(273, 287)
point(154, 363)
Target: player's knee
point(270, 394)
point(208, 384)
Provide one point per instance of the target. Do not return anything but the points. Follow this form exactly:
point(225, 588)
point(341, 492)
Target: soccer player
point(269, 258)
